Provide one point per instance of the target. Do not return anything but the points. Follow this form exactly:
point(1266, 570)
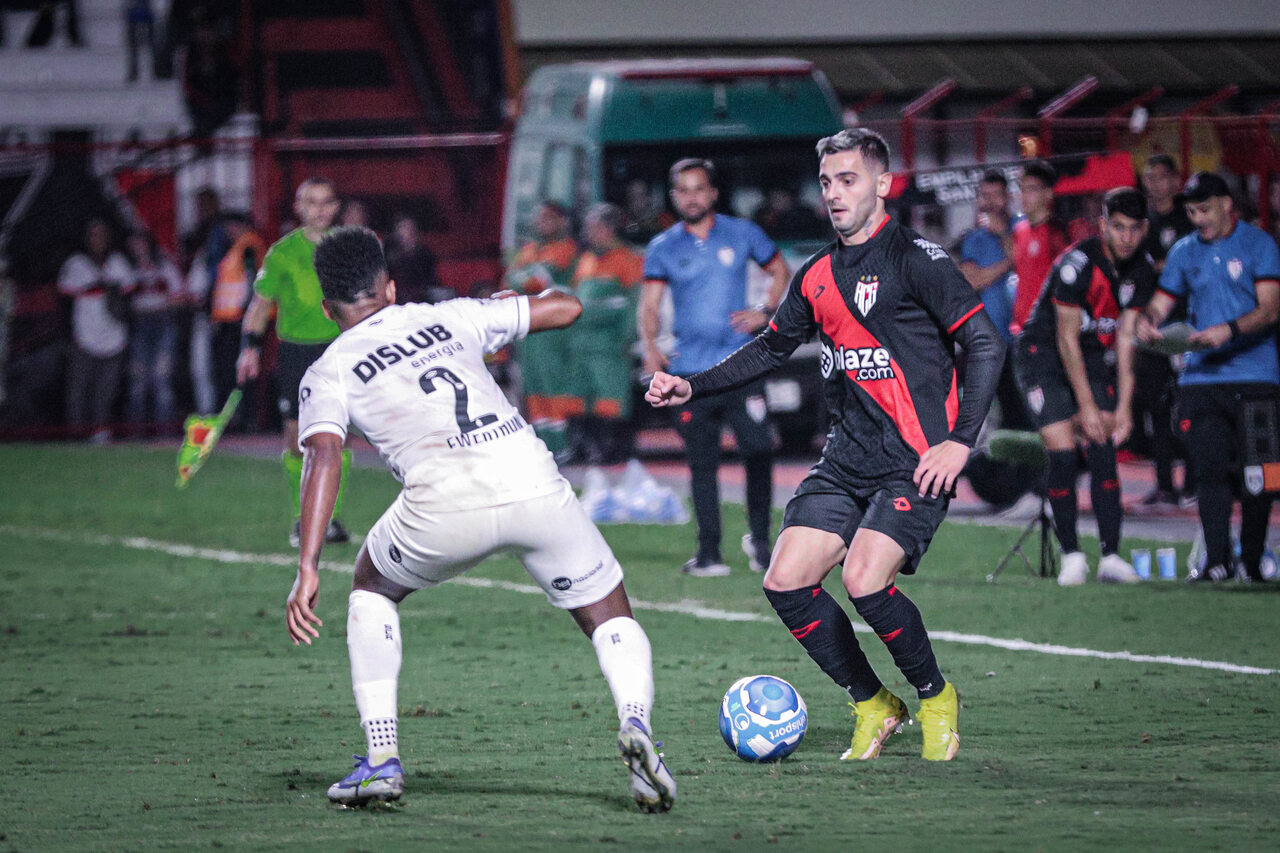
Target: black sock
point(1060, 482)
point(816, 619)
point(1104, 490)
point(896, 621)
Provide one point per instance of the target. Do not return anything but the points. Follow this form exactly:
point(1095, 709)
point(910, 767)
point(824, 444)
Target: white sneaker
point(1075, 569)
point(1113, 569)
point(699, 569)
point(756, 561)
point(651, 783)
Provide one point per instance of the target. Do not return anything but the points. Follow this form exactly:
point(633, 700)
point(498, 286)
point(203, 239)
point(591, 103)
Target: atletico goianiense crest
point(864, 294)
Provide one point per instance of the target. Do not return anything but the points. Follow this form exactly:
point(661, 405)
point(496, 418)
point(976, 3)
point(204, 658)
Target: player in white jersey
point(477, 481)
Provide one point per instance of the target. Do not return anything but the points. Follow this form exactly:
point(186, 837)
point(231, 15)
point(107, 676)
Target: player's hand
point(654, 360)
point(748, 321)
point(1146, 330)
point(667, 390)
point(1092, 426)
point(248, 365)
point(299, 610)
point(1215, 336)
point(1123, 426)
point(939, 467)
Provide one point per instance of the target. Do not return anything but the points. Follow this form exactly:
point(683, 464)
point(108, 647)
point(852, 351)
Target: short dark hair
point(1042, 171)
point(348, 262)
point(1126, 201)
point(679, 167)
point(868, 143)
point(1161, 160)
point(995, 176)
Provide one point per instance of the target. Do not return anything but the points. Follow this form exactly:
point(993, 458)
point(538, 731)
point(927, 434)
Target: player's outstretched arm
point(747, 363)
point(321, 472)
point(553, 309)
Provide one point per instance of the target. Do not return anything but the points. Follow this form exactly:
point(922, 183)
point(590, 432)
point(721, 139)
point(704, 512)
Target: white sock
point(373, 642)
point(622, 647)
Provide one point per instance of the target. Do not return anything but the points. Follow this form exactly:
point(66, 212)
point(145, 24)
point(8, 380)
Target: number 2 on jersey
point(466, 423)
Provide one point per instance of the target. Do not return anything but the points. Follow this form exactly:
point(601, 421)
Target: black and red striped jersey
point(885, 312)
point(1084, 277)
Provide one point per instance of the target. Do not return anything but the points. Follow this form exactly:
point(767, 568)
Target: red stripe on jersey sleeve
point(953, 402)
point(958, 323)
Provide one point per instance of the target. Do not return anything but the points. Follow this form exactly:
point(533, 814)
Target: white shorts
point(551, 535)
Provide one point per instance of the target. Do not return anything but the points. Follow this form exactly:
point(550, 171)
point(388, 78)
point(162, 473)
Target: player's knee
point(863, 576)
point(775, 581)
point(785, 574)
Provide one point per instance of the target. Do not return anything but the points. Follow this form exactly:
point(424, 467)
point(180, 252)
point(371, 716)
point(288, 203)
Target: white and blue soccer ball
point(762, 718)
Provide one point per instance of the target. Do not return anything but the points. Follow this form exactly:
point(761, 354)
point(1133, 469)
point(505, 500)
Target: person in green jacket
point(603, 338)
point(547, 262)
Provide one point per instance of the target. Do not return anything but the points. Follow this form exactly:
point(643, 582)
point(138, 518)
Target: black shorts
point(893, 508)
point(292, 361)
point(1045, 388)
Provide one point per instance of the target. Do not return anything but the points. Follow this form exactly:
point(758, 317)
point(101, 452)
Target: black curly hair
point(1126, 201)
point(348, 262)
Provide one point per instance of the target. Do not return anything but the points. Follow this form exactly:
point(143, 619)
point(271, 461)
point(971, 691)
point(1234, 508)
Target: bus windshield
point(773, 182)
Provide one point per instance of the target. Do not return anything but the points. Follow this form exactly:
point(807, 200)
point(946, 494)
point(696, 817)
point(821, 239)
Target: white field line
point(690, 608)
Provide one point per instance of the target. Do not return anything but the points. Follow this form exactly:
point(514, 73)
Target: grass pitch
point(151, 699)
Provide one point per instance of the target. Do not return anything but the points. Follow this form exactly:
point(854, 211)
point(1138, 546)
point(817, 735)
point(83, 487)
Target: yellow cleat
point(939, 719)
point(878, 717)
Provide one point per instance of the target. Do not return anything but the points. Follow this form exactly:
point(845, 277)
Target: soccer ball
point(762, 718)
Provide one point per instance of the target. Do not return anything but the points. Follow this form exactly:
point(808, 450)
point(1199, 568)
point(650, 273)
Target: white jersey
point(412, 379)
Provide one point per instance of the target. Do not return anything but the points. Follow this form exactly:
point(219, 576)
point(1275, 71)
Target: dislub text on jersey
point(389, 354)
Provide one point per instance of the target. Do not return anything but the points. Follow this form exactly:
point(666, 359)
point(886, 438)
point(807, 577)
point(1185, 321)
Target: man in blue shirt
point(703, 261)
point(986, 259)
point(1229, 272)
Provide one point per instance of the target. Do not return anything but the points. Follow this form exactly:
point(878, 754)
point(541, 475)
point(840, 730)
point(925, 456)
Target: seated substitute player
point(477, 481)
point(888, 306)
point(1074, 364)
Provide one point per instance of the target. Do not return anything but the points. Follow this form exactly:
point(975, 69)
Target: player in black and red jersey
point(1074, 364)
point(888, 307)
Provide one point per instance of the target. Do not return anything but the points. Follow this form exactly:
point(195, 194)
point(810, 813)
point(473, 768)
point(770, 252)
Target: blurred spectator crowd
point(150, 335)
